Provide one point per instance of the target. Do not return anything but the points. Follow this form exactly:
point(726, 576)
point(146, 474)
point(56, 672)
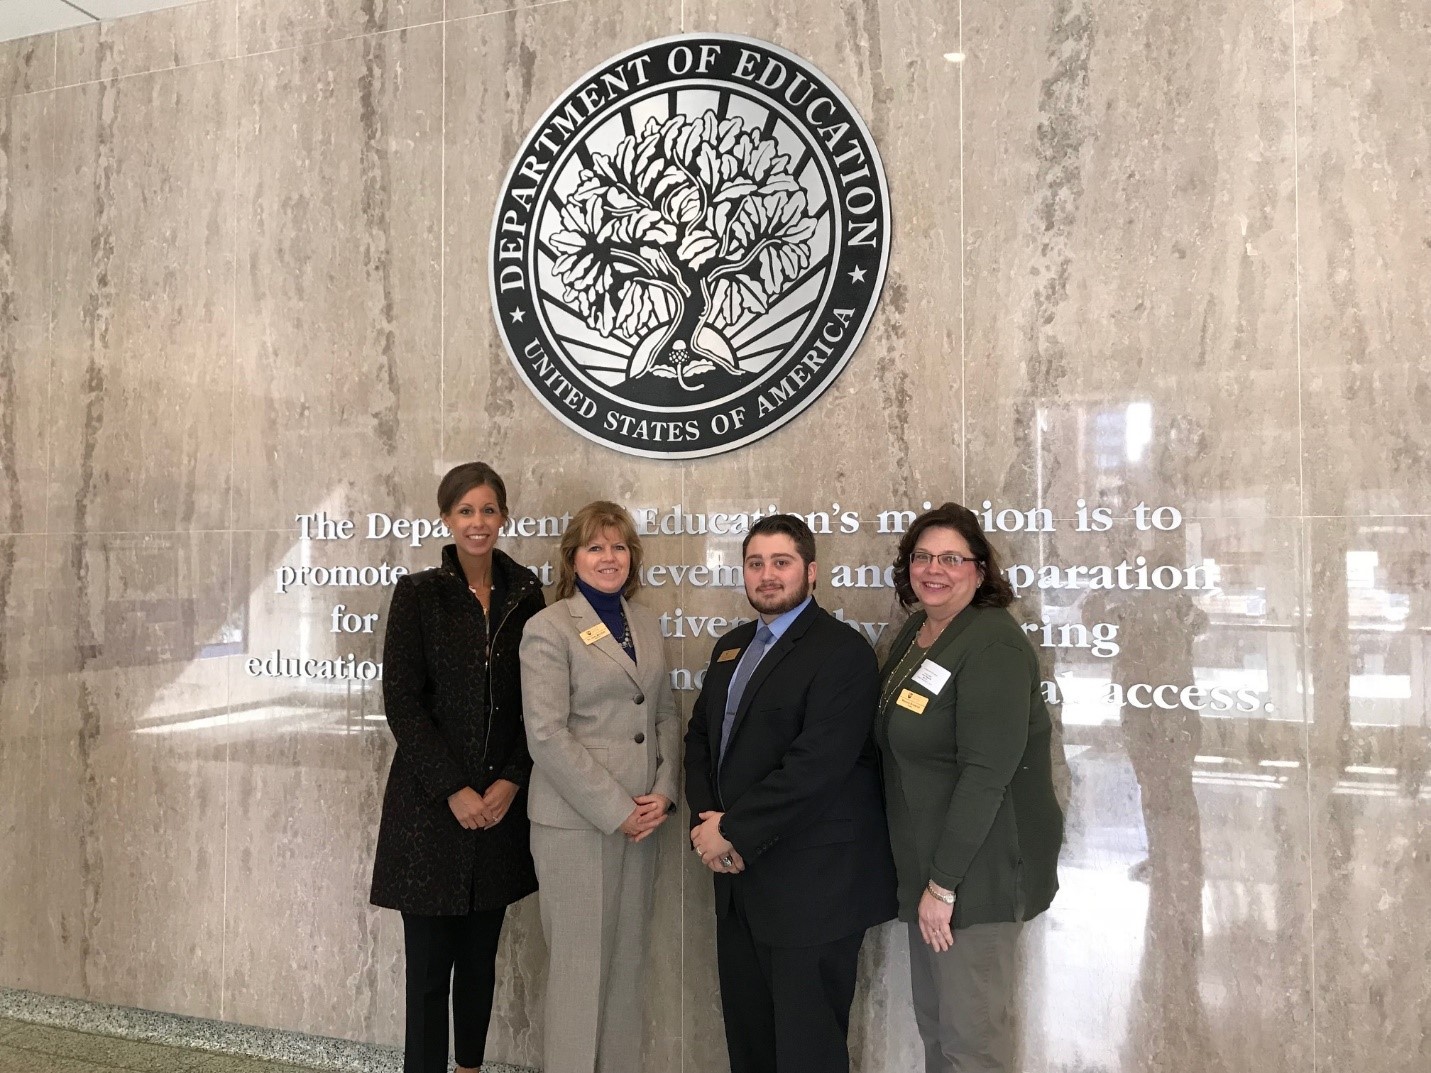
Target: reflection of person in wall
point(452, 847)
point(602, 729)
point(1156, 631)
point(973, 818)
point(782, 779)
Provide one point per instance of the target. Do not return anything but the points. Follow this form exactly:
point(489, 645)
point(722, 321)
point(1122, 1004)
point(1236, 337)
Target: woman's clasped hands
point(650, 812)
point(477, 812)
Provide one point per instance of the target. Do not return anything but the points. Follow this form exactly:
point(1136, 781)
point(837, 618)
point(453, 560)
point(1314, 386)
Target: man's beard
point(782, 602)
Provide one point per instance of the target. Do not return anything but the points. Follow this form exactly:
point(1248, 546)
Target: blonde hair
point(586, 524)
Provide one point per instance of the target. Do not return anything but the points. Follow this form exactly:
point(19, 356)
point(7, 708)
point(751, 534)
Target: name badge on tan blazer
point(728, 655)
point(594, 634)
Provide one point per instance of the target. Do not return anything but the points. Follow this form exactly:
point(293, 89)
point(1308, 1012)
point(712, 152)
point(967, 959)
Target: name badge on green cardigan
point(915, 702)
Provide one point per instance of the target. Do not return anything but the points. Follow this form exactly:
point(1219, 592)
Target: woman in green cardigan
point(975, 826)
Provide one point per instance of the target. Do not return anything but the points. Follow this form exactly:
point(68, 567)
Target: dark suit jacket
point(799, 784)
point(457, 718)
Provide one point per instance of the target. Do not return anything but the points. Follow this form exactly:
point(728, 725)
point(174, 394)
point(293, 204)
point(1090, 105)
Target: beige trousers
point(595, 902)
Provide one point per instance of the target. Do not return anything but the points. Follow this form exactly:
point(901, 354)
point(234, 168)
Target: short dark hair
point(791, 525)
point(586, 524)
point(994, 589)
point(460, 480)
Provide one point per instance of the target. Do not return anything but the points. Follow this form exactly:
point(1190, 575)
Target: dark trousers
point(456, 955)
point(787, 1009)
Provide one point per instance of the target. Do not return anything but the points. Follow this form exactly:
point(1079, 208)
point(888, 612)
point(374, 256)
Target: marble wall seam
point(481, 9)
point(146, 73)
point(68, 51)
point(235, 581)
point(1304, 677)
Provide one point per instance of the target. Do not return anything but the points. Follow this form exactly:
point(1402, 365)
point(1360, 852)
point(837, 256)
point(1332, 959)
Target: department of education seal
point(689, 245)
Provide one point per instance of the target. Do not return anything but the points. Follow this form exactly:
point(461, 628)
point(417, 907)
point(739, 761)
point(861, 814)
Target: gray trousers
point(964, 999)
point(595, 901)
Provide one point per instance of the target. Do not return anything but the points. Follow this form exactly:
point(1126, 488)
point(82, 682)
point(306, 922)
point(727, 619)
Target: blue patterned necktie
point(753, 655)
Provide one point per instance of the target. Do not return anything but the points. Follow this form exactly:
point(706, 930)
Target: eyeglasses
point(949, 560)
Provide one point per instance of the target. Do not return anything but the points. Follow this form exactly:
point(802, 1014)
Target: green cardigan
point(968, 782)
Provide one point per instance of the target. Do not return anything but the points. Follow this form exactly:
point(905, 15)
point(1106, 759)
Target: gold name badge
point(915, 702)
point(596, 633)
point(728, 655)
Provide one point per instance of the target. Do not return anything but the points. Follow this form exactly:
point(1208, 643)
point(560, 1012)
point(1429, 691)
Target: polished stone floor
point(50, 1034)
point(29, 1048)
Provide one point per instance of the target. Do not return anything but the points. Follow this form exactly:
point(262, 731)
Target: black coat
point(800, 784)
point(458, 722)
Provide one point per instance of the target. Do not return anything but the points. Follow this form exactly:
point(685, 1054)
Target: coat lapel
point(778, 651)
point(901, 642)
point(714, 681)
point(586, 617)
point(646, 634)
point(962, 621)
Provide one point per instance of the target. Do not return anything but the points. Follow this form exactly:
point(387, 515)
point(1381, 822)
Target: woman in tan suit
point(602, 731)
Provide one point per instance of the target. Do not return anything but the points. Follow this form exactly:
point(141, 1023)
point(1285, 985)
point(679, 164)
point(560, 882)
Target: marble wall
point(1143, 252)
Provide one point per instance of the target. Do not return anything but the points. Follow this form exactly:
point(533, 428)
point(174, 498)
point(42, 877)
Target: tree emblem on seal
point(670, 240)
point(689, 245)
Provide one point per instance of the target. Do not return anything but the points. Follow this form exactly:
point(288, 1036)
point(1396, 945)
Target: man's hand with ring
point(728, 863)
point(707, 839)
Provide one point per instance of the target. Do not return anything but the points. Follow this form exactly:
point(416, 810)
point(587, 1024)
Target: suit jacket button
point(640, 698)
point(640, 737)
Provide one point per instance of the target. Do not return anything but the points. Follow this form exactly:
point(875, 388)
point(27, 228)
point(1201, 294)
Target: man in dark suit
point(783, 783)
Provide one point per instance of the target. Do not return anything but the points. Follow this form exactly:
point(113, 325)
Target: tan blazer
point(601, 729)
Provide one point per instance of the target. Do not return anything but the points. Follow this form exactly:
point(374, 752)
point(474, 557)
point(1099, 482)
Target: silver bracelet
point(946, 898)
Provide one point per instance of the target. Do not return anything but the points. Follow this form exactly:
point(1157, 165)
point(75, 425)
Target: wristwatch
point(947, 897)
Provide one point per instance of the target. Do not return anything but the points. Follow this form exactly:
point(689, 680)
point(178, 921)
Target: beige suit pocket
point(546, 805)
point(629, 766)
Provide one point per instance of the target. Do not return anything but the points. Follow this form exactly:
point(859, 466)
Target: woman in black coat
point(453, 846)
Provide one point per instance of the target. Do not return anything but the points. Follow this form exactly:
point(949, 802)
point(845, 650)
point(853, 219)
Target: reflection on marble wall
point(1143, 254)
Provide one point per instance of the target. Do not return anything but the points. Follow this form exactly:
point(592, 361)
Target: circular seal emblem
point(689, 245)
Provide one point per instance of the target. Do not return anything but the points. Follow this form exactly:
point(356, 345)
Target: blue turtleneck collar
point(603, 603)
point(607, 606)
